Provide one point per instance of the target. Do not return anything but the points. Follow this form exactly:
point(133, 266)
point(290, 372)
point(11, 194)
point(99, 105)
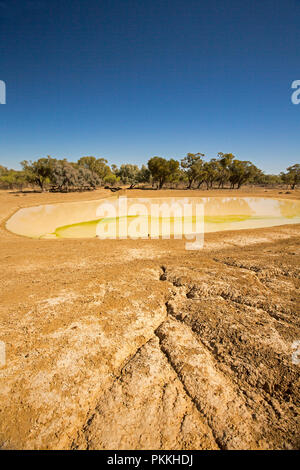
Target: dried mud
point(144, 345)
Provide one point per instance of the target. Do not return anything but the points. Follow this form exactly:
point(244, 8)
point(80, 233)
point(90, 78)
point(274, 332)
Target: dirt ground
point(123, 344)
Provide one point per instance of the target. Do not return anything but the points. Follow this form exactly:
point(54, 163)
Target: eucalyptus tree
point(3, 170)
point(224, 161)
point(128, 174)
point(210, 172)
point(192, 165)
point(98, 166)
point(144, 175)
point(87, 179)
point(111, 179)
point(269, 180)
point(64, 176)
point(11, 179)
point(39, 172)
point(292, 176)
point(241, 172)
point(163, 171)
point(67, 176)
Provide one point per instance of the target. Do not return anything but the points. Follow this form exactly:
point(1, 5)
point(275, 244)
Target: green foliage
point(3, 170)
point(163, 171)
point(98, 166)
point(12, 179)
point(192, 165)
point(292, 177)
point(242, 172)
point(111, 179)
point(268, 180)
point(87, 179)
point(143, 175)
point(211, 172)
point(90, 172)
point(39, 172)
point(224, 162)
point(128, 174)
point(66, 176)
point(131, 174)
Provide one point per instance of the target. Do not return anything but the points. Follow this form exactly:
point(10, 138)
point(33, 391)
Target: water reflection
point(289, 209)
point(80, 219)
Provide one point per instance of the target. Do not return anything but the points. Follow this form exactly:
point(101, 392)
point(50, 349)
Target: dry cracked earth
point(143, 345)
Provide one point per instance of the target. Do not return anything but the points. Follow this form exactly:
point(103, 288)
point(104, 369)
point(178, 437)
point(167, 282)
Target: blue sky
point(130, 79)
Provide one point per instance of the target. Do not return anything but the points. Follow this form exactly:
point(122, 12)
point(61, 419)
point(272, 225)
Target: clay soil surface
point(143, 345)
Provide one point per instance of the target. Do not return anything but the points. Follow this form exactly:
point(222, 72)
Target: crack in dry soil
point(286, 419)
point(171, 365)
point(194, 401)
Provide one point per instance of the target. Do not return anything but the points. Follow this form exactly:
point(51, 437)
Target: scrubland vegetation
point(192, 171)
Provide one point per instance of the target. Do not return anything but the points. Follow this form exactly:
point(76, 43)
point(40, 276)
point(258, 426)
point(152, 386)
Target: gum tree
point(210, 172)
point(224, 162)
point(39, 172)
point(128, 174)
point(12, 179)
point(241, 172)
point(96, 165)
point(292, 177)
point(163, 171)
point(192, 165)
point(68, 176)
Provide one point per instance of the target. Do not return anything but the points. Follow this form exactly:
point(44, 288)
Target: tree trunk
point(41, 185)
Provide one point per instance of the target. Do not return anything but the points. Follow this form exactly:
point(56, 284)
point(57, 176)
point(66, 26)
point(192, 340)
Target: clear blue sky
point(130, 79)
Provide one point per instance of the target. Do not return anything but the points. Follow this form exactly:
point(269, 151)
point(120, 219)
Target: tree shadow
point(27, 191)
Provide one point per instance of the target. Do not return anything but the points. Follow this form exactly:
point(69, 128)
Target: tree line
point(192, 172)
